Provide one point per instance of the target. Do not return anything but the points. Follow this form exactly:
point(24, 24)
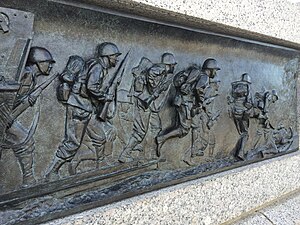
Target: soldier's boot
point(25, 158)
point(72, 167)
point(52, 172)
point(161, 139)
point(241, 153)
point(125, 155)
point(26, 162)
point(100, 157)
point(197, 152)
point(242, 145)
point(211, 148)
point(187, 158)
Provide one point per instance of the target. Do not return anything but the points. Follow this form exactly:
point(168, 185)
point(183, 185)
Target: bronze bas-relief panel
point(96, 107)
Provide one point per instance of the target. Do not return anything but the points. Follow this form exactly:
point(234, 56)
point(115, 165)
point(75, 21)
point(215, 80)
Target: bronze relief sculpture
point(138, 114)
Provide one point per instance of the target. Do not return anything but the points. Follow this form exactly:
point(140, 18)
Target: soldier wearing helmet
point(88, 95)
point(241, 105)
point(109, 51)
point(169, 60)
point(208, 72)
point(151, 88)
point(191, 86)
point(17, 136)
point(39, 62)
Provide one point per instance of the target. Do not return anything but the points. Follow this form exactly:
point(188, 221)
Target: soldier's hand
point(109, 98)
point(248, 105)
point(156, 94)
point(119, 80)
point(32, 99)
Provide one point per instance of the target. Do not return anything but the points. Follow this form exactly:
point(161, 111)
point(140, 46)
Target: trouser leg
point(181, 130)
point(140, 128)
point(211, 144)
point(75, 127)
point(96, 133)
point(23, 147)
point(24, 155)
point(155, 128)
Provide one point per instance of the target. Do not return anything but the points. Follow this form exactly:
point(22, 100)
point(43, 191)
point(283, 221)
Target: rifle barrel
point(119, 68)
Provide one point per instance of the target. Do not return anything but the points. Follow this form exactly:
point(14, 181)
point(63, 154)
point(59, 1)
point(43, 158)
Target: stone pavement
point(282, 212)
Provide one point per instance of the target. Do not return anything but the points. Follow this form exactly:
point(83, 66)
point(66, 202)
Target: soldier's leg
point(244, 126)
point(25, 158)
point(75, 127)
point(180, 131)
point(155, 128)
point(140, 128)
point(196, 130)
point(192, 152)
point(23, 146)
point(211, 144)
point(199, 134)
point(96, 133)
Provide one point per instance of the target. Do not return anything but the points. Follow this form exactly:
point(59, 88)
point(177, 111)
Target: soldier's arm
point(67, 77)
point(200, 88)
point(95, 82)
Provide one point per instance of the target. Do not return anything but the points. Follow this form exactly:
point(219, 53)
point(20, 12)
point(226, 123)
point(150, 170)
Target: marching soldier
point(18, 137)
point(151, 87)
point(87, 96)
point(191, 87)
point(241, 103)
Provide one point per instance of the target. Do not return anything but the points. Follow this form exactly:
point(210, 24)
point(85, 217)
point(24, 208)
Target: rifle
point(36, 92)
point(113, 84)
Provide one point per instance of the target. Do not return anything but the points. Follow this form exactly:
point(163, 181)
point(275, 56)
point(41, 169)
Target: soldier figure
point(151, 87)
point(241, 109)
point(87, 96)
point(191, 86)
point(202, 124)
point(17, 137)
point(264, 141)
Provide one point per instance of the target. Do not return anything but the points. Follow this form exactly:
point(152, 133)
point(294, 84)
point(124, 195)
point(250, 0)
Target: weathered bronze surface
point(97, 107)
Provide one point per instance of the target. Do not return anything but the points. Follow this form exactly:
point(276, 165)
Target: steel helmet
point(39, 54)
point(246, 78)
point(210, 64)
point(168, 58)
point(107, 49)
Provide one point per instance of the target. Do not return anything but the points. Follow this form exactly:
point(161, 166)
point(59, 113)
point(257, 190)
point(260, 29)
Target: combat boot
point(25, 158)
point(125, 155)
point(28, 178)
point(52, 172)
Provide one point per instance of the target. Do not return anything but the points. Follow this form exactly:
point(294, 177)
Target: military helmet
point(246, 78)
point(144, 65)
point(168, 58)
point(39, 54)
point(107, 49)
point(210, 64)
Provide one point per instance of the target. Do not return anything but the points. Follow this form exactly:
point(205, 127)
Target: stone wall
point(276, 18)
